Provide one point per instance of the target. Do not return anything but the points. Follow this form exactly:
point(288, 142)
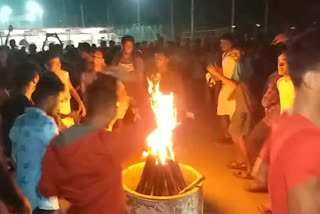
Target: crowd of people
point(70, 116)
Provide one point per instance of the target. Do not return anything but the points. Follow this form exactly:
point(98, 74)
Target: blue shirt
point(30, 136)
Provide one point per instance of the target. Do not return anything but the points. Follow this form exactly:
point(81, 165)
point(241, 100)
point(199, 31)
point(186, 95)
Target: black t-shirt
point(10, 110)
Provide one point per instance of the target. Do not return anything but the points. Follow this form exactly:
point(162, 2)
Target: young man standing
point(226, 104)
point(128, 62)
point(90, 178)
point(54, 65)
point(293, 150)
point(26, 79)
point(30, 136)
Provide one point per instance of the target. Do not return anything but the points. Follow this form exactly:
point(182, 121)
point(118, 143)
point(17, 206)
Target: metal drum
point(190, 202)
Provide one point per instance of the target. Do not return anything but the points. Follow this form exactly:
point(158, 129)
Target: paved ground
point(223, 192)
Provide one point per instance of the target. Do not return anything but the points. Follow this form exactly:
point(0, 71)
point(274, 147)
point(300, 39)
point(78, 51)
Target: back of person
point(30, 135)
point(290, 160)
point(10, 110)
point(91, 174)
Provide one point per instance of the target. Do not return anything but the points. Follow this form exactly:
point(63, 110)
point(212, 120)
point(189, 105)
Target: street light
point(34, 10)
point(5, 14)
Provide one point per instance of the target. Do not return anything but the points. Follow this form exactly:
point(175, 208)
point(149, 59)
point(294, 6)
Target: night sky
point(209, 14)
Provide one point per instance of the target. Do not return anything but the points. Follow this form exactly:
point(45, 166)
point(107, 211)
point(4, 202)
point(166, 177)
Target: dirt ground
point(223, 192)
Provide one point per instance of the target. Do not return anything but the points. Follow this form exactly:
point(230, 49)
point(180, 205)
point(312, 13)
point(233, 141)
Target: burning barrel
point(187, 201)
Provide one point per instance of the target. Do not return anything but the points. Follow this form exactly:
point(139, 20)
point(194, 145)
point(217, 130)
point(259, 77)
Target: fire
point(160, 142)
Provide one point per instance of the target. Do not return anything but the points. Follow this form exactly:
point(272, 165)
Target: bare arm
point(214, 71)
point(305, 197)
point(76, 96)
point(44, 43)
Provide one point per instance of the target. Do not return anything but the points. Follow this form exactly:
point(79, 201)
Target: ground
point(199, 148)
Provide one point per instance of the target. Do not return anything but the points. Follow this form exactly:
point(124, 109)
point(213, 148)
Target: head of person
point(53, 63)
point(32, 49)
point(282, 65)
point(101, 99)
point(98, 61)
point(26, 78)
point(161, 58)
point(103, 44)
point(226, 42)
point(3, 56)
point(51, 46)
point(47, 93)
point(12, 44)
point(85, 51)
point(127, 44)
point(112, 43)
point(304, 63)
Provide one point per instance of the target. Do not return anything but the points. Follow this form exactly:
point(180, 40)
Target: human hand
point(82, 110)
point(280, 38)
point(212, 70)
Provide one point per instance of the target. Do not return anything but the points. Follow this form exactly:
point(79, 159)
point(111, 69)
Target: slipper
point(237, 165)
point(243, 175)
point(256, 188)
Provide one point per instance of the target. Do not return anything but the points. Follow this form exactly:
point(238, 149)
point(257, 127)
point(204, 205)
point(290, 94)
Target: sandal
point(237, 165)
point(243, 175)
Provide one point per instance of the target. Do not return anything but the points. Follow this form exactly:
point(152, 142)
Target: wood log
point(150, 162)
point(159, 179)
point(178, 177)
point(172, 186)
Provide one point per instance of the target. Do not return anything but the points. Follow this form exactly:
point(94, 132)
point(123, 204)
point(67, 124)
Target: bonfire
point(161, 175)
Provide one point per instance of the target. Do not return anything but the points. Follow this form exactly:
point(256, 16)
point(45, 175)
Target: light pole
point(82, 14)
point(233, 10)
point(172, 19)
point(192, 18)
point(138, 12)
point(266, 16)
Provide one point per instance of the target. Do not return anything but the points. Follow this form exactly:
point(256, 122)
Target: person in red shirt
point(291, 157)
point(83, 164)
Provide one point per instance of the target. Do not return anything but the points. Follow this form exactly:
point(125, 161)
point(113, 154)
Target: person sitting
point(26, 79)
point(93, 155)
point(30, 136)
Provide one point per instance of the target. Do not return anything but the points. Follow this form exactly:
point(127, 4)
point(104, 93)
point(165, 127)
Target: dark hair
point(127, 38)
point(101, 93)
point(228, 37)
point(48, 85)
point(50, 55)
point(24, 73)
point(165, 51)
point(85, 47)
point(304, 55)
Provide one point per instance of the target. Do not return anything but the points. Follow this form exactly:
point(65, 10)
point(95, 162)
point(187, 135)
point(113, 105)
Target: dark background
point(209, 14)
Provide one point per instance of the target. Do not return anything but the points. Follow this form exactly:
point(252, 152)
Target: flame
point(160, 142)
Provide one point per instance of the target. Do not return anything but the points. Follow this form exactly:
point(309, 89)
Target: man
point(90, 177)
point(285, 85)
point(54, 65)
point(226, 105)
point(292, 152)
point(128, 61)
point(26, 79)
point(30, 136)
point(170, 81)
